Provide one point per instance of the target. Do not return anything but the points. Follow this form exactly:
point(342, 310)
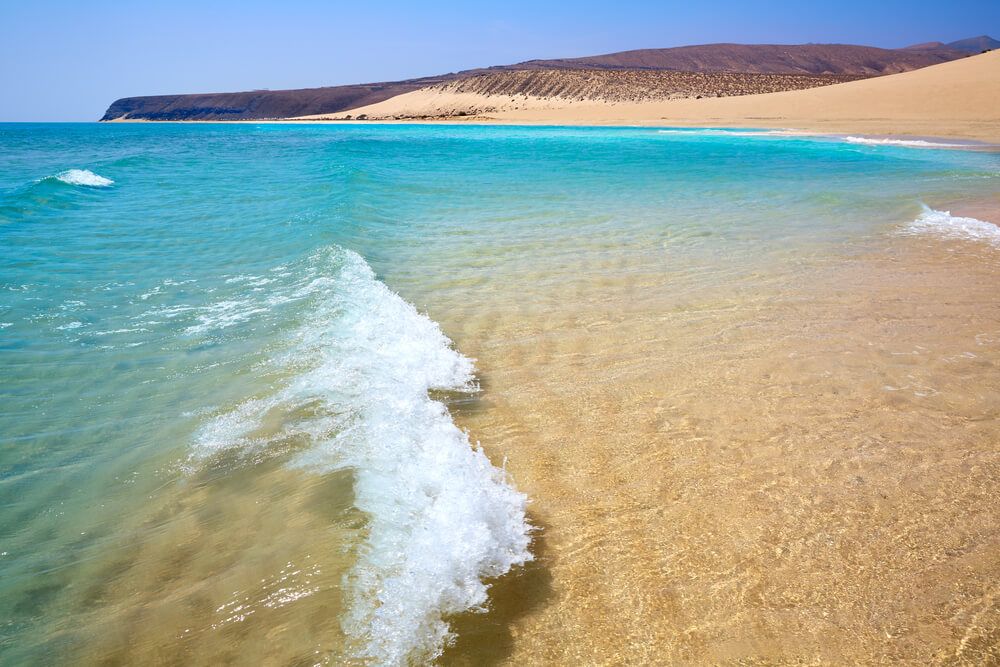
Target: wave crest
point(83, 177)
point(441, 517)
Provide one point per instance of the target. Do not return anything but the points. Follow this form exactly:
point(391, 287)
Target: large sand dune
point(958, 99)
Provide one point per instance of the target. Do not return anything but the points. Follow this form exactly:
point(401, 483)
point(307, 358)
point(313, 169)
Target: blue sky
point(67, 61)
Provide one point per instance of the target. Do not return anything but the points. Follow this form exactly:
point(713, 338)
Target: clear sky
point(64, 60)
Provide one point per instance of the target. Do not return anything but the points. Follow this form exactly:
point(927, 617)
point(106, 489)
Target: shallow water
point(747, 384)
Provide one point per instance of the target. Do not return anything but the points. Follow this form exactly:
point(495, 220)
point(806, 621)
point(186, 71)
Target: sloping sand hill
point(554, 89)
point(958, 99)
point(635, 85)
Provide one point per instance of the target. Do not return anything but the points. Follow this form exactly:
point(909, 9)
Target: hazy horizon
point(74, 60)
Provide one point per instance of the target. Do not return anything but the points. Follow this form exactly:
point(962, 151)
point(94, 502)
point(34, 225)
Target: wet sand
point(800, 471)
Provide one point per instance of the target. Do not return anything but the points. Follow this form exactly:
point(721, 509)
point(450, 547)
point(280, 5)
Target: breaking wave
point(441, 518)
point(83, 177)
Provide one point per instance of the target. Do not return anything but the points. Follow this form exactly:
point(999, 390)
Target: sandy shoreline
point(800, 511)
point(811, 502)
point(958, 141)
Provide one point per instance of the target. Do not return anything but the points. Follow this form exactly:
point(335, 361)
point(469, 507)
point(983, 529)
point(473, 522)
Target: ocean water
point(256, 380)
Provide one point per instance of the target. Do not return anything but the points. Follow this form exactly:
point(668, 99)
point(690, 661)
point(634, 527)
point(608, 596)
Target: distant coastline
point(824, 63)
point(956, 99)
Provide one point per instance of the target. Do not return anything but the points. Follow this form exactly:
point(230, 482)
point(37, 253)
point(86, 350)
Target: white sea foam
point(708, 132)
point(112, 332)
point(867, 141)
point(225, 314)
point(945, 225)
point(441, 517)
point(912, 143)
point(83, 177)
point(253, 281)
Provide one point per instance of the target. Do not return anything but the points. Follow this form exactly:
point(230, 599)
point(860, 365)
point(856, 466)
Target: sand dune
point(635, 85)
point(958, 99)
point(553, 89)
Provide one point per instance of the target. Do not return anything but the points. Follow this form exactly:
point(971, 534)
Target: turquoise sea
point(231, 355)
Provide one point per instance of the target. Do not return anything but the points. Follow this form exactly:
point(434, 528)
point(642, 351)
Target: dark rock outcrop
point(261, 104)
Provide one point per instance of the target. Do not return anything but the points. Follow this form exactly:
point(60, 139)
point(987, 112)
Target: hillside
point(760, 58)
point(971, 45)
point(975, 44)
point(806, 59)
point(636, 85)
point(497, 91)
point(260, 104)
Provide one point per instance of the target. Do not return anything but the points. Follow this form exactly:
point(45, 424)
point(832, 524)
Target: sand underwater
point(496, 395)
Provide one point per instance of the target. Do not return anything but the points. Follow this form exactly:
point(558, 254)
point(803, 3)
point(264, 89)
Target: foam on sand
point(83, 177)
point(912, 143)
point(441, 518)
point(944, 224)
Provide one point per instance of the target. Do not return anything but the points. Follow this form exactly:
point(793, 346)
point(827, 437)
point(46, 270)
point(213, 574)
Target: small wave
point(70, 326)
point(913, 143)
point(944, 224)
point(441, 518)
point(83, 177)
point(225, 314)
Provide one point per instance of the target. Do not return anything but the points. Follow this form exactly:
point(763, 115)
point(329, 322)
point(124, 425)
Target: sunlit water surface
point(295, 395)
